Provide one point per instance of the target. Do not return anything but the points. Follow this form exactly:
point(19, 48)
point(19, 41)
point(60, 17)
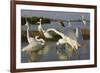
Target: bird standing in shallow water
point(36, 45)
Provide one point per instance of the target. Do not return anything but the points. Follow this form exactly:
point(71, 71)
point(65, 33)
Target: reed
point(85, 33)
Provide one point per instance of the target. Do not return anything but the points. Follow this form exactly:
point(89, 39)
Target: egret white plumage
point(35, 46)
point(30, 39)
point(34, 43)
point(68, 47)
point(77, 32)
point(84, 20)
point(42, 31)
point(67, 42)
point(65, 39)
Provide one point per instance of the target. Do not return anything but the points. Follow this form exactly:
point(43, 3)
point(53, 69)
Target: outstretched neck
point(40, 40)
point(41, 27)
point(41, 30)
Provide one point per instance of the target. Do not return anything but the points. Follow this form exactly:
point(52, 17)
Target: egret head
point(27, 23)
point(40, 20)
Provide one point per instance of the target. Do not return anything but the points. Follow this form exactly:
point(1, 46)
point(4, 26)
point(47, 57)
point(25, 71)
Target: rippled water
point(51, 53)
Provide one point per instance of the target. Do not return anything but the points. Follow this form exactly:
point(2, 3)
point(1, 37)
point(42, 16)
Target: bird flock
point(65, 46)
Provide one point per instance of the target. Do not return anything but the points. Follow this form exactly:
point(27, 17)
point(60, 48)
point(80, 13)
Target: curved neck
point(40, 40)
point(59, 33)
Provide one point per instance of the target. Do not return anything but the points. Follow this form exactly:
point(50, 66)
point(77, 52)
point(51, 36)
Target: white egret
point(84, 20)
point(33, 42)
point(42, 31)
point(67, 42)
point(36, 49)
point(36, 42)
point(65, 39)
point(70, 47)
point(30, 39)
point(35, 46)
point(77, 32)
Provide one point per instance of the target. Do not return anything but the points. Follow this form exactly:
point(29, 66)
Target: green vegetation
point(34, 20)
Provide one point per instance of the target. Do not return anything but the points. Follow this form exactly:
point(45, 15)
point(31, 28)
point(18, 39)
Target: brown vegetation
point(85, 33)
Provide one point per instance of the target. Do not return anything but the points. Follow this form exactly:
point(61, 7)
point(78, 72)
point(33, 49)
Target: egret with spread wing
point(67, 41)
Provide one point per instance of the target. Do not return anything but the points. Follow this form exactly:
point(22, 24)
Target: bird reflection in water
point(65, 52)
point(36, 56)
